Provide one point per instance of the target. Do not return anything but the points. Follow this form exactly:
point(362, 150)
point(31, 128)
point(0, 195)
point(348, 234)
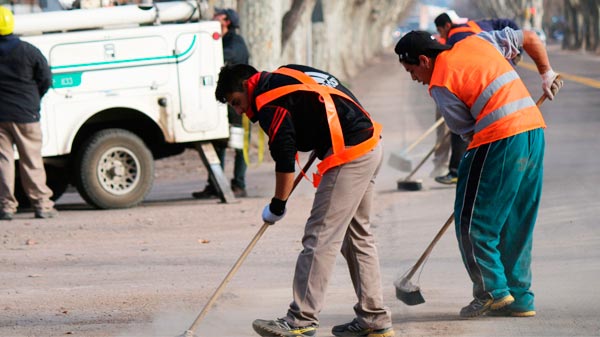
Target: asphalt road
point(148, 271)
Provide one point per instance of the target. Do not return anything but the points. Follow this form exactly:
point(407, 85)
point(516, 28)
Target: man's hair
point(442, 19)
point(231, 79)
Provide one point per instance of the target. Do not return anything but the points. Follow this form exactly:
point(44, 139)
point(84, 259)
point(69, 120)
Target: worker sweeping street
point(306, 109)
point(483, 99)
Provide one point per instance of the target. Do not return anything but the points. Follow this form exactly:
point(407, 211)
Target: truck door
point(197, 67)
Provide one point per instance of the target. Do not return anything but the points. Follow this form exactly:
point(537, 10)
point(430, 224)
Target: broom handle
point(427, 251)
point(425, 134)
point(442, 230)
point(433, 149)
point(241, 259)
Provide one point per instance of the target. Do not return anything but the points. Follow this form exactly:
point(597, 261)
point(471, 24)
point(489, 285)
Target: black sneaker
point(479, 306)
point(448, 179)
point(47, 214)
point(209, 192)
point(353, 329)
point(6, 215)
point(281, 328)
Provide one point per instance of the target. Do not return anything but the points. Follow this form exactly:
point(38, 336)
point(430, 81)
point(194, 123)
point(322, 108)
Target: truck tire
point(114, 169)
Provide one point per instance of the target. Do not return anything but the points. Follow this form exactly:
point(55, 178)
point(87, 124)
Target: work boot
point(209, 192)
point(449, 179)
point(479, 306)
point(353, 329)
point(281, 328)
point(47, 214)
point(6, 215)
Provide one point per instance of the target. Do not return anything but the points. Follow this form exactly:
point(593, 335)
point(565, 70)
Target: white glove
point(551, 84)
point(269, 217)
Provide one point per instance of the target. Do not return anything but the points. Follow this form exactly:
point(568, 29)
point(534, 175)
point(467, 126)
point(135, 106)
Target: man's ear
point(424, 61)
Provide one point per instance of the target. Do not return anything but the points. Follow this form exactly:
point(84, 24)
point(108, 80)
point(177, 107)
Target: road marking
point(583, 80)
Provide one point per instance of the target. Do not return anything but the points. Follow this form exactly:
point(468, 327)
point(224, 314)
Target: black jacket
point(298, 121)
point(24, 78)
point(234, 52)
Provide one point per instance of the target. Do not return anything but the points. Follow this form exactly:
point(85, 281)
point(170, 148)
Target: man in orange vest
point(483, 99)
point(306, 109)
point(453, 33)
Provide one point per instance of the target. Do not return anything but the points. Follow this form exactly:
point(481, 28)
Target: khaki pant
point(28, 139)
point(339, 221)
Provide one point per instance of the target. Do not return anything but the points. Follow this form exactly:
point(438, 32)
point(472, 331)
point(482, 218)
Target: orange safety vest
point(472, 27)
point(490, 87)
point(341, 154)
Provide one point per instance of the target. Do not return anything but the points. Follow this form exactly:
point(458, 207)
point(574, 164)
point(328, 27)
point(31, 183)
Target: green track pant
point(497, 199)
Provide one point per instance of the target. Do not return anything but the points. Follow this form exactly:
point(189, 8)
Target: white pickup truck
point(130, 85)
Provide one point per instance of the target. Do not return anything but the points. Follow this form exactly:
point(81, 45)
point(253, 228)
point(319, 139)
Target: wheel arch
point(122, 118)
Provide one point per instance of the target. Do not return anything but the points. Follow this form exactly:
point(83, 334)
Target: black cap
point(231, 14)
point(417, 43)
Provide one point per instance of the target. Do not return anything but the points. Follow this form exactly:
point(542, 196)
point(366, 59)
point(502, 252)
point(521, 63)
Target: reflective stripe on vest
point(341, 154)
point(489, 86)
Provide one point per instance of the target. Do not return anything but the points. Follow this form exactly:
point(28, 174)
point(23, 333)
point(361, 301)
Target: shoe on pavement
point(48, 214)
point(238, 192)
point(6, 215)
point(479, 306)
point(505, 312)
point(439, 171)
point(353, 329)
point(281, 328)
point(209, 192)
point(448, 179)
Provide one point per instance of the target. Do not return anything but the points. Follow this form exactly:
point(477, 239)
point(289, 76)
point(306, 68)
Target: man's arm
point(41, 72)
point(508, 41)
point(284, 182)
point(534, 47)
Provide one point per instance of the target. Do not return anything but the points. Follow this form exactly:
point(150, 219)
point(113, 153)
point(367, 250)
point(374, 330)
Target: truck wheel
point(115, 169)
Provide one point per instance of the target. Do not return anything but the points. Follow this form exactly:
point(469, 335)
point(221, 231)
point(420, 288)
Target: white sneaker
point(439, 171)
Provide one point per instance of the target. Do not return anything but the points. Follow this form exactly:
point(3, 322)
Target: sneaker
point(439, 171)
point(281, 328)
point(353, 329)
point(448, 179)
point(6, 215)
point(48, 214)
point(478, 306)
point(238, 192)
point(505, 312)
point(209, 192)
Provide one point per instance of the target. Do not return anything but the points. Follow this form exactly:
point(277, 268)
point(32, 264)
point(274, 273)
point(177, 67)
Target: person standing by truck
point(235, 51)
point(24, 78)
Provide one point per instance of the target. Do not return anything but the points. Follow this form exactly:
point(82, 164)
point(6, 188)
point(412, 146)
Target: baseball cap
point(415, 43)
point(231, 16)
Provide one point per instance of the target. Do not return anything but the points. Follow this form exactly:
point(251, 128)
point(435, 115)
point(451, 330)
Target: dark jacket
point(487, 25)
point(24, 78)
point(298, 122)
point(234, 52)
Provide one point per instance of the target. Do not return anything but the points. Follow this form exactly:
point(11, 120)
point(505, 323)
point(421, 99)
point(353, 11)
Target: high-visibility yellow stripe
point(579, 79)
